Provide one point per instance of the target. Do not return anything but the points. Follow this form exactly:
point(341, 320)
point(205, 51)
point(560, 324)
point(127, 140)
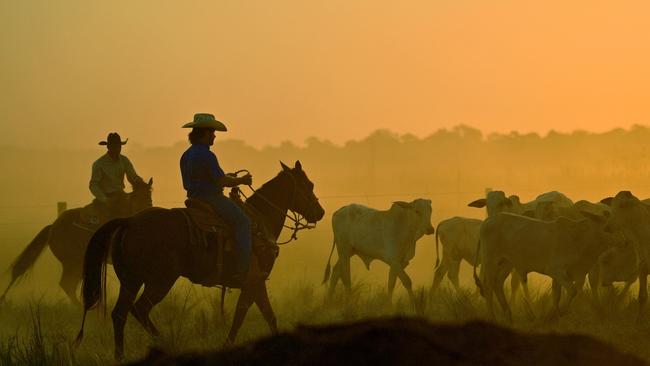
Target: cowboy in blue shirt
point(204, 179)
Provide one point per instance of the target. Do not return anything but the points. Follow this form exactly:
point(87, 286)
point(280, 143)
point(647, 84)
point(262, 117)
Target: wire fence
point(48, 210)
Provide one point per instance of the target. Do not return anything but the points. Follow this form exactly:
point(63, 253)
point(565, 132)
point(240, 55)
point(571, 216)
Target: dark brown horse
point(154, 249)
point(68, 240)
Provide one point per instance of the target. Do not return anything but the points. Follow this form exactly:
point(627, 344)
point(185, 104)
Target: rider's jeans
point(235, 217)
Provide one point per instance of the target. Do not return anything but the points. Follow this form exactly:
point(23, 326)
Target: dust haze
point(451, 167)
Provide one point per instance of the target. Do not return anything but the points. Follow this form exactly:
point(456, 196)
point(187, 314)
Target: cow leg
point(454, 270)
point(643, 289)
point(392, 278)
point(502, 274)
point(264, 304)
point(344, 272)
point(567, 283)
point(244, 303)
point(408, 284)
point(580, 283)
point(515, 282)
point(336, 276)
point(594, 284)
point(557, 293)
point(486, 287)
point(440, 273)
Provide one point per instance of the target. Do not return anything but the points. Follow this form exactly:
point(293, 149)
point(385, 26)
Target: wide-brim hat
point(113, 139)
point(205, 120)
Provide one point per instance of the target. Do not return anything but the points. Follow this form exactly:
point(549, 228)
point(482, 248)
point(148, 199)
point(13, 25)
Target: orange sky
point(71, 71)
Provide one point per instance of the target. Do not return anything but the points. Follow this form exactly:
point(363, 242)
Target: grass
point(38, 332)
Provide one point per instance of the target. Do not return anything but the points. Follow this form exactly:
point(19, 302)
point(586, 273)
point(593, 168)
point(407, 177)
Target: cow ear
point(478, 203)
point(284, 166)
point(150, 183)
point(607, 201)
point(298, 166)
point(402, 204)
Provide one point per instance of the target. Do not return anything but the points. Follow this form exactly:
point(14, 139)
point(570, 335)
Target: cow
point(388, 236)
point(459, 237)
point(563, 249)
point(496, 202)
point(631, 216)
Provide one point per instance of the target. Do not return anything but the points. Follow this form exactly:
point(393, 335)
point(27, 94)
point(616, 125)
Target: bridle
point(299, 222)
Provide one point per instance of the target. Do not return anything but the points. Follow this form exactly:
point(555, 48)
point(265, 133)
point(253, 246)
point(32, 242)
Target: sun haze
point(338, 70)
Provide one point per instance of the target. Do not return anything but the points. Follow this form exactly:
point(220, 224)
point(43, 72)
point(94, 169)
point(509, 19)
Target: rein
point(299, 222)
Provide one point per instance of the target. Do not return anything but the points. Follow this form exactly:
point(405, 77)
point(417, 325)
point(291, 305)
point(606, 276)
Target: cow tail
point(476, 279)
point(437, 253)
point(328, 268)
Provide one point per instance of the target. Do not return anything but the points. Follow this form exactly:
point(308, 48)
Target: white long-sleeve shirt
point(108, 176)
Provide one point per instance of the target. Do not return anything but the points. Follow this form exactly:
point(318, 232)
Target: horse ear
point(284, 166)
point(150, 183)
point(298, 165)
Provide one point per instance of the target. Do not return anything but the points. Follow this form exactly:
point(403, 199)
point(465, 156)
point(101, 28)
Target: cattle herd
point(570, 242)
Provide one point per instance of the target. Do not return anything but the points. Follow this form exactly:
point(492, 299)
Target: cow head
point(496, 202)
point(630, 217)
point(421, 212)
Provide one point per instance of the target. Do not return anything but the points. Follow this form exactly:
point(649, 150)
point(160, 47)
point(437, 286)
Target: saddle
point(92, 216)
point(212, 242)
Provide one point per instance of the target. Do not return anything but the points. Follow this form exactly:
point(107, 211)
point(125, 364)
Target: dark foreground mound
point(404, 341)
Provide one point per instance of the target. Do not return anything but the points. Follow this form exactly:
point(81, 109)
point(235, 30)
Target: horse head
point(140, 197)
point(303, 200)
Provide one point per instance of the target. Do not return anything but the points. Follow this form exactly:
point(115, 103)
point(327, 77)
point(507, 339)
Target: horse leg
point(264, 304)
point(244, 303)
point(151, 296)
point(128, 292)
point(69, 282)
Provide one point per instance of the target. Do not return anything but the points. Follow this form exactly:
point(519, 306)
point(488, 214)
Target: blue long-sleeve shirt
point(200, 170)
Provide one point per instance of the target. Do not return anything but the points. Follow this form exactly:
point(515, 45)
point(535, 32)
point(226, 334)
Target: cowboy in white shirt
point(107, 180)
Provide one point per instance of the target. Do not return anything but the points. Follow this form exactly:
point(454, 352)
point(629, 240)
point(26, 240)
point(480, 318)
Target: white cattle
point(564, 250)
point(459, 237)
point(388, 236)
point(632, 217)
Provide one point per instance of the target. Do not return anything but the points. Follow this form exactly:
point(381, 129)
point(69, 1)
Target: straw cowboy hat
point(205, 120)
point(113, 139)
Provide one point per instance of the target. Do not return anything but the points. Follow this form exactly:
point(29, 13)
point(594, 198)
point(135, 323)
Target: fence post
point(61, 207)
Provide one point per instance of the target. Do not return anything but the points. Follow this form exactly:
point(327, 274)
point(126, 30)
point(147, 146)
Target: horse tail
point(437, 253)
point(328, 268)
point(28, 257)
point(94, 268)
point(476, 279)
